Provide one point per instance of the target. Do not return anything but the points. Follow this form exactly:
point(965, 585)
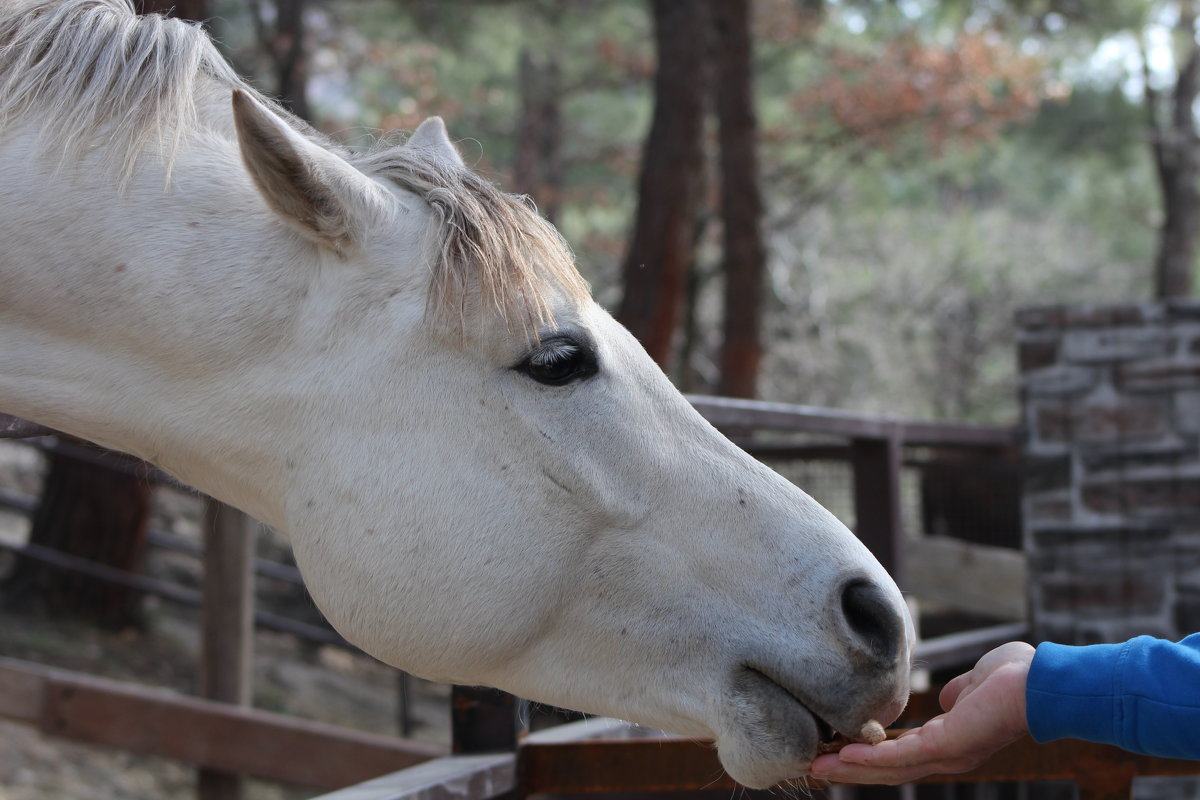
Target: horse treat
point(872, 733)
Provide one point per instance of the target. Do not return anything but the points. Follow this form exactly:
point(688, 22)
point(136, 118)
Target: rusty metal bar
point(676, 764)
point(203, 732)
point(1113, 786)
point(661, 765)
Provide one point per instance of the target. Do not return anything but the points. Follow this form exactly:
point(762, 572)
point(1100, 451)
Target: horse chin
point(762, 759)
point(772, 735)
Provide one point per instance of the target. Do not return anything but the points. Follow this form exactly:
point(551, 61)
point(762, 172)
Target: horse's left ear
point(431, 136)
point(312, 188)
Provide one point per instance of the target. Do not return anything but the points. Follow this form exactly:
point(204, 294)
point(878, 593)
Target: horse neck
point(150, 320)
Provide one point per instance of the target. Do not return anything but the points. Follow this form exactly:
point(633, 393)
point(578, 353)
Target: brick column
point(1111, 404)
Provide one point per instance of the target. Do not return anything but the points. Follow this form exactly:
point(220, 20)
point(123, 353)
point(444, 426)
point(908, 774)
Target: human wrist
point(1069, 692)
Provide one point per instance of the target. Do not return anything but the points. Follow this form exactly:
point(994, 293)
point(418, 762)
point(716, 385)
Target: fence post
point(876, 464)
point(227, 625)
point(484, 720)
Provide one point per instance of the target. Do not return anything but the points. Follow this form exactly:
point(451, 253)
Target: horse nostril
point(874, 618)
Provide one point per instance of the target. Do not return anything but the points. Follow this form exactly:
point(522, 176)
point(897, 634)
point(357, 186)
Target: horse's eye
point(559, 361)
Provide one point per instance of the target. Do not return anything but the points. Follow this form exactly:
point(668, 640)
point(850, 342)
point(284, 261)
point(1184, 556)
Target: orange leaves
point(968, 90)
point(625, 59)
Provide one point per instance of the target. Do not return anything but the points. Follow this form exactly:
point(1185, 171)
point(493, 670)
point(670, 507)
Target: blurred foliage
point(928, 167)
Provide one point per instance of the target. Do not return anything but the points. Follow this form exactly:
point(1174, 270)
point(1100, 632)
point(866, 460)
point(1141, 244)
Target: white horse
point(484, 477)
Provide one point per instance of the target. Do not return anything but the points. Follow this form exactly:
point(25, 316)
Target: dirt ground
point(321, 683)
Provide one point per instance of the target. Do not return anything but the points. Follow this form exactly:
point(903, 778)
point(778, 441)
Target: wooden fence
point(606, 757)
point(210, 734)
point(571, 759)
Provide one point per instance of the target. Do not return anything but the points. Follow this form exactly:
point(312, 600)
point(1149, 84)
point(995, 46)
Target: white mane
point(99, 76)
point(102, 79)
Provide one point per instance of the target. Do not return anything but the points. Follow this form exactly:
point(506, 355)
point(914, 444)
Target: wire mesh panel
point(830, 483)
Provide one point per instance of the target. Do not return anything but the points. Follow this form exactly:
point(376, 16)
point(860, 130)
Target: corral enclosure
point(903, 484)
point(885, 456)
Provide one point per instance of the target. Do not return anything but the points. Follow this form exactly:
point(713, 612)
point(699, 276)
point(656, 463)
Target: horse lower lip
point(826, 733)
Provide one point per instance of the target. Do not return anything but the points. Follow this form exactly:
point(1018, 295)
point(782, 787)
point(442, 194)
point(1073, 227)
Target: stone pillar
point(1111, 505)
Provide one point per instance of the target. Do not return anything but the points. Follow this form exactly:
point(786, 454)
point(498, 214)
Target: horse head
point(506, 490)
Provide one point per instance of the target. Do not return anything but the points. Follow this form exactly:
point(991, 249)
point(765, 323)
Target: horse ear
point(431, 136)
point(313, 189)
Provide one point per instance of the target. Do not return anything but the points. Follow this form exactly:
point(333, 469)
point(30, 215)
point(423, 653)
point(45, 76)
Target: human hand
point(985, 710)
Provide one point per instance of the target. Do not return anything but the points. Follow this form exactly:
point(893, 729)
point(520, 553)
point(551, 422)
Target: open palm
point(985, 710)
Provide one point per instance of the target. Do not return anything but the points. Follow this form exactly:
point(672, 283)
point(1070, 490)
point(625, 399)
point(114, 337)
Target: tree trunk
point(537, 171)
point(283, 43)
point(1175, 149)
point(196, 10)
point(291, 61)
point(89, 512)
point(655, 269)
point(744, 259)
point(690, 376)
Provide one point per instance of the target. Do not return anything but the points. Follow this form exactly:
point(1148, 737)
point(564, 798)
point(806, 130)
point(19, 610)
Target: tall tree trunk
point(538, 168)
point(284, 45)
point(291, 61)
point(690, 377)
point(744, 259)
point(1176, 151)
point(90, 512)
point(196, 10)
point(655, 269)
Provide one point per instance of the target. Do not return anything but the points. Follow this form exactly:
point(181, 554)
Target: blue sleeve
point(1143, 695)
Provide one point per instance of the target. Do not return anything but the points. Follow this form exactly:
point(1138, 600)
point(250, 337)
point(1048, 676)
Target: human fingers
point(842, 772)
point(895, 761)
point(1001, 657)
point(952, 690)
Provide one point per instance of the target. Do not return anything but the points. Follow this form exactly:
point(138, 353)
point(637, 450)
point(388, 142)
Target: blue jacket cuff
point(1071, 692)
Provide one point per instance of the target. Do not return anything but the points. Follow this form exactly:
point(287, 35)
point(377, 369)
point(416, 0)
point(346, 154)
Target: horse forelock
point(101, 79)
point(493, 250)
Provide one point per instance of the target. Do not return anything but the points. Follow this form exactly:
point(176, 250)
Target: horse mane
point(95, 70)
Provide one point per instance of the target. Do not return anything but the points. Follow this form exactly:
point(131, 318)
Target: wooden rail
point(728, 412)
point(476, 776)
point(204, 732)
